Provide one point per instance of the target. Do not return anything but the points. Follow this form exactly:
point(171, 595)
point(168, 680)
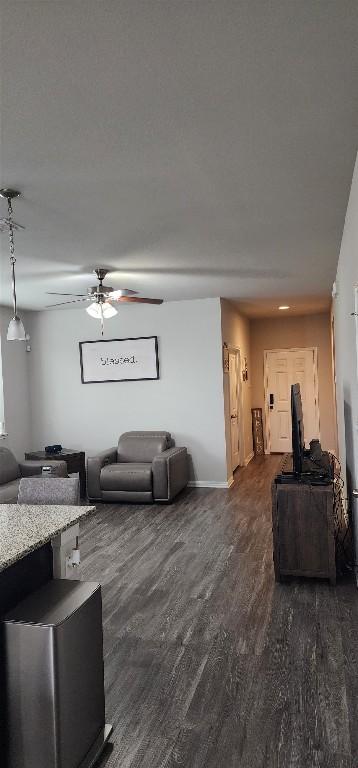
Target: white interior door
point(304, 374)
point(234, 408)
point(283, 368)
point(279, 407)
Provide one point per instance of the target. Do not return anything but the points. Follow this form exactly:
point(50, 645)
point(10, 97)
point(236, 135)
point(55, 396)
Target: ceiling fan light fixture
point(101, 297)
point(97, 310)
point(94, 311)
point(108, 310)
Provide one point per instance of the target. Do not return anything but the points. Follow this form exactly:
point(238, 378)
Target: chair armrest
point(170, 473)
point(94, 466)
point(32, 467)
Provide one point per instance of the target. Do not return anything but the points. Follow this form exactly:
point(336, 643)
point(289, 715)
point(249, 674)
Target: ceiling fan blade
point(54, 293)
point(138, 300)
point(62, 303)
point(121, 292)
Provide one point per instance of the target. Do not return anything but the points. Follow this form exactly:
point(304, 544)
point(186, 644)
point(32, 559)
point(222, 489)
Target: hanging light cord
point(12, 256)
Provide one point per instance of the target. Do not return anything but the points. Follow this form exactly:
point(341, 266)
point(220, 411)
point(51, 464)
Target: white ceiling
point(201, 148)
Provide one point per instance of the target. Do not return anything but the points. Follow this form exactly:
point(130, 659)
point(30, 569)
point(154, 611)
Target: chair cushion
point(9, 492)
point(9, 468)
point(49, 490)
point(126, 477)
point(142, 446)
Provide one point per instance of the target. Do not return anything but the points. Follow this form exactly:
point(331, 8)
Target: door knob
point(355, 493)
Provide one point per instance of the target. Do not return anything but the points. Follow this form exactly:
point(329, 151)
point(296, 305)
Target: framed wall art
point(110, 360)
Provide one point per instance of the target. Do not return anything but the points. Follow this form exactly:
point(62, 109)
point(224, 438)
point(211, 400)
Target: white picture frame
point(116, 360)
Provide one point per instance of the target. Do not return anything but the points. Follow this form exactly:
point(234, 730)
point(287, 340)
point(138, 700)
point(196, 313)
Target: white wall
point(187, 400)
point(15, 373)
point(236, 332)
point(345, 339)
point(2, 408)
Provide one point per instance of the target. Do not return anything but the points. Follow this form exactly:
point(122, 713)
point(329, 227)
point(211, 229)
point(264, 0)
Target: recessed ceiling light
point(284, 307)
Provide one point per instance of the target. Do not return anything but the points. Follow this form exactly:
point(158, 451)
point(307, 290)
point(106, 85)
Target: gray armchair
point(144, 467)
point(11, 472)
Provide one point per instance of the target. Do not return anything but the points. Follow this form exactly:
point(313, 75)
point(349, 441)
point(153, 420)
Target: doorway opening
point(283, 367)
point(236, 430)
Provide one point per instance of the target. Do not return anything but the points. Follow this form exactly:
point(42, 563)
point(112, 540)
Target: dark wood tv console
point(303, 528)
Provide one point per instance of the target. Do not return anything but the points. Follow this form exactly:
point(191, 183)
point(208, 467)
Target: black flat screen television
point(298, 435)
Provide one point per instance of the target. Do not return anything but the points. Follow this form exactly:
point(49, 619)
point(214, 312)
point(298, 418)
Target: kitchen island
point(24, 528)
point(36, 556)
point(35, 542)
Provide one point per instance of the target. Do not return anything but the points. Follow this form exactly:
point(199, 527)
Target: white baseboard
point(248, 458)
point(210, 483)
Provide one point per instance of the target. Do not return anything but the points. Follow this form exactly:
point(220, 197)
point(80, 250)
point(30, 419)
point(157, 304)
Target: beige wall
point(236, 332)
point(285, 333)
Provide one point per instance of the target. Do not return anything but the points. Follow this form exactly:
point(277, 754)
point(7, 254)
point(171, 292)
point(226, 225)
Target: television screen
point(298, 437)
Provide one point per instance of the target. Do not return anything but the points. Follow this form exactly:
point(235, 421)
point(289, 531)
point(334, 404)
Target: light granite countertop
point(24, 528)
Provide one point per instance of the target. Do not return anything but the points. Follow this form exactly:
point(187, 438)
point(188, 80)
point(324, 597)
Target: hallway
point(209, 663)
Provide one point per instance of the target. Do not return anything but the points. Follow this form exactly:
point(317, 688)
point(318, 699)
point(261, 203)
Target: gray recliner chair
point(11, 472)
point(145, 467)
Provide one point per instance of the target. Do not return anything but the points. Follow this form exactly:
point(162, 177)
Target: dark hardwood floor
point(208, 662)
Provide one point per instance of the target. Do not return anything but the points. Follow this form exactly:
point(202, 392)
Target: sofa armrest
point(32, 467)
point(170, 473)
point(94, 466)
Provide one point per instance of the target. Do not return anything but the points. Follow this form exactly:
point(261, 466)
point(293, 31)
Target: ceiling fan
point(102, 298)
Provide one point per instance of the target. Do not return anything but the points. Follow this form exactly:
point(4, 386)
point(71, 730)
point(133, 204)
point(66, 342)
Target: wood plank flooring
point(208, 662)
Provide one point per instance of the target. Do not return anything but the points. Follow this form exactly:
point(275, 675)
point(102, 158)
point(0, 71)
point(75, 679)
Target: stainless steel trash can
point(54, 677)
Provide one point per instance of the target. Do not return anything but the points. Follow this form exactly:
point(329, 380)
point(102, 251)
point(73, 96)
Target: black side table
point(75, 460)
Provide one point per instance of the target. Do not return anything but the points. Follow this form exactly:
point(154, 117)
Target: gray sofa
point(11, 472)
point(144, 467)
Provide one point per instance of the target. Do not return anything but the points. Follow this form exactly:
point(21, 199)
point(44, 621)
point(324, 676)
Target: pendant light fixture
point(16, 330)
